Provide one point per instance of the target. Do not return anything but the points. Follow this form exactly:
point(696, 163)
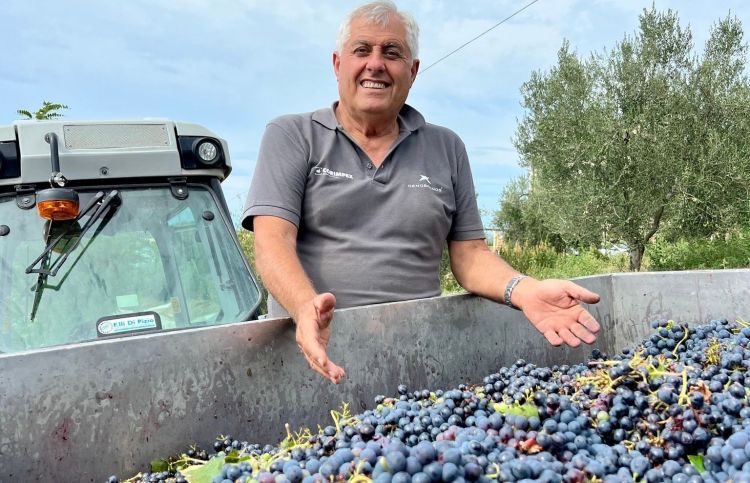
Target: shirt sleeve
point(467, 224)
point(280, 176)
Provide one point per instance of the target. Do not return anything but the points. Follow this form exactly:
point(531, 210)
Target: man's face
point(375, 69)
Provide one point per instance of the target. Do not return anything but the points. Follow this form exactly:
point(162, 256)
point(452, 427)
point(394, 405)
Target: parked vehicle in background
point(109, 229)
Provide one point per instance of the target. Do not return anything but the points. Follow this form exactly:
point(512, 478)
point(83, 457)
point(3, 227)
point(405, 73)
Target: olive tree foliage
point(522, 219)
point(718, 198)
point(48, 111)
point(640, 139)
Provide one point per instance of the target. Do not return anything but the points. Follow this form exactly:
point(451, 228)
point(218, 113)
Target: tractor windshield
point(149, 262)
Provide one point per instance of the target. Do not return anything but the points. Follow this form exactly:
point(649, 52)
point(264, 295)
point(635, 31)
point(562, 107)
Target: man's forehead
point(363, 30)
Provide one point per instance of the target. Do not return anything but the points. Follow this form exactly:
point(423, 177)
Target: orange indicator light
point(57, 204)
point(58, 210)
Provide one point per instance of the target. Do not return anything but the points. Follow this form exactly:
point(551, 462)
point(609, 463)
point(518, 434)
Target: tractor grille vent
point(108, 136)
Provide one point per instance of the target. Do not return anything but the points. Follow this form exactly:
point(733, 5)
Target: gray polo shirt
point(367, 234)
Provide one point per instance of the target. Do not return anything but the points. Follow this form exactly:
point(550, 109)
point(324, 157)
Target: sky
point(233, 65)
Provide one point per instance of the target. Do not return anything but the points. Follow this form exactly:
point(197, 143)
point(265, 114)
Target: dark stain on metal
point(63, 429)
point(249, 372)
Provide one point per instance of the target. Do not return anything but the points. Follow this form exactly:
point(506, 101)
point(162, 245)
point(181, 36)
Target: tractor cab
point(112, 229)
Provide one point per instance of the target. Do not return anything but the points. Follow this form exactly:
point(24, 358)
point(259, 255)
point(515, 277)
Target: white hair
point(379, 12)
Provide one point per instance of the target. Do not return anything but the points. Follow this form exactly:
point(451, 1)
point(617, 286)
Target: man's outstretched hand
point(313, 331)
point(552, 307)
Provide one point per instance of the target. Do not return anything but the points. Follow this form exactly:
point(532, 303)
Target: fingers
point(317, 368)
point(312, 338)
point(567, 336)
point(558, 315)
point(324, 305)
point(579, 293)
point(324, 319)
point(324, 367)
point(587, 320)
point(307, 340)
point(580, 332)
point(553, 338)
point(311, 349)
point(572, 336)
point(569, 331)
point(335, 373)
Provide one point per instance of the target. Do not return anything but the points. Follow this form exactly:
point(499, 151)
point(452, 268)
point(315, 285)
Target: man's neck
point(367, 127)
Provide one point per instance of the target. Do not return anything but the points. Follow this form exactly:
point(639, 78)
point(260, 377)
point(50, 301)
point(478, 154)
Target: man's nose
point(376, 62)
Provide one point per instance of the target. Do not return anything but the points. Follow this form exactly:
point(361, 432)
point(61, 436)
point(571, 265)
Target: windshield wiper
point(102, 203)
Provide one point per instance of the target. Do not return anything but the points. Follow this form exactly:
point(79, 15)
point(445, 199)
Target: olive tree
point(617, 144)
point(716, 194)
point(522, 219)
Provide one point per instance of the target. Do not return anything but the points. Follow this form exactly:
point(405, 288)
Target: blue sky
point(233, 65)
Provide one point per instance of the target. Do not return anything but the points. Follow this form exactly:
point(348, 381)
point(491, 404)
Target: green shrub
point(731, 251)
point(448, 283)
point(586, 263)
point(247, 243)
point(543, 261)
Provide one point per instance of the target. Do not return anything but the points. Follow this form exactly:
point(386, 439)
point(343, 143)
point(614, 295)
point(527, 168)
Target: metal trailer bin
point(82, 412)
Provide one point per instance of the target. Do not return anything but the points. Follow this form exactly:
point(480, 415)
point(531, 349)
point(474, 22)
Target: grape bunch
point(672, 409)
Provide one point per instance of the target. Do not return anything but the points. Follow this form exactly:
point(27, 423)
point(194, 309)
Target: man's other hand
point(313, 332)
point(552, 306)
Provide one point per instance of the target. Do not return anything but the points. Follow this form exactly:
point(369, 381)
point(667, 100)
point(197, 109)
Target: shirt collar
point(409, 119)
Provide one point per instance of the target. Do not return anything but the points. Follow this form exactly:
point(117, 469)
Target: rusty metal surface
point(81, 413)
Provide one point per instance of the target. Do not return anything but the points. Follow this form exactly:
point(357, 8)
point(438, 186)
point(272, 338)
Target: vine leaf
point(204, 473)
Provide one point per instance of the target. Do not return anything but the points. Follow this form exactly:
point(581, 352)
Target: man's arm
point(550, 305)
point(282, 273)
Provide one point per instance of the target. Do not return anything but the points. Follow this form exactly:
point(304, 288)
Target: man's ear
point(414, 70)
point(336, 63)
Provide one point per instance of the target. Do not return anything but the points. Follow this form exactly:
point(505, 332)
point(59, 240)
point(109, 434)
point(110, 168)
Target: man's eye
point(360, 50)
point(393, 54)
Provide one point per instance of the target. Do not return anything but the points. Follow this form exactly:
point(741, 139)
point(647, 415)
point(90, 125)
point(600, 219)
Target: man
point(358, 199)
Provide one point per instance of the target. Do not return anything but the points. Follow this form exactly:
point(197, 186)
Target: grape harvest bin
point(82, 412)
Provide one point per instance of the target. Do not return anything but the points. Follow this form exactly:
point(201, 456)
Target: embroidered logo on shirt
point(424, 182)
point(331, 174)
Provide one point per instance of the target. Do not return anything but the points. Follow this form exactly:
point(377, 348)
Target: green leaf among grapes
point(526, 410)
point(235, 457)
point(697, 462)
point(157, 466)
point(204, 473)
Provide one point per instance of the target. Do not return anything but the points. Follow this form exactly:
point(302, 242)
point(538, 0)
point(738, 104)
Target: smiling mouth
point(368, 84)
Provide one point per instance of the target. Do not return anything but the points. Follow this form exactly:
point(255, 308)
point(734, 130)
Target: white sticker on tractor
point(128, 323)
